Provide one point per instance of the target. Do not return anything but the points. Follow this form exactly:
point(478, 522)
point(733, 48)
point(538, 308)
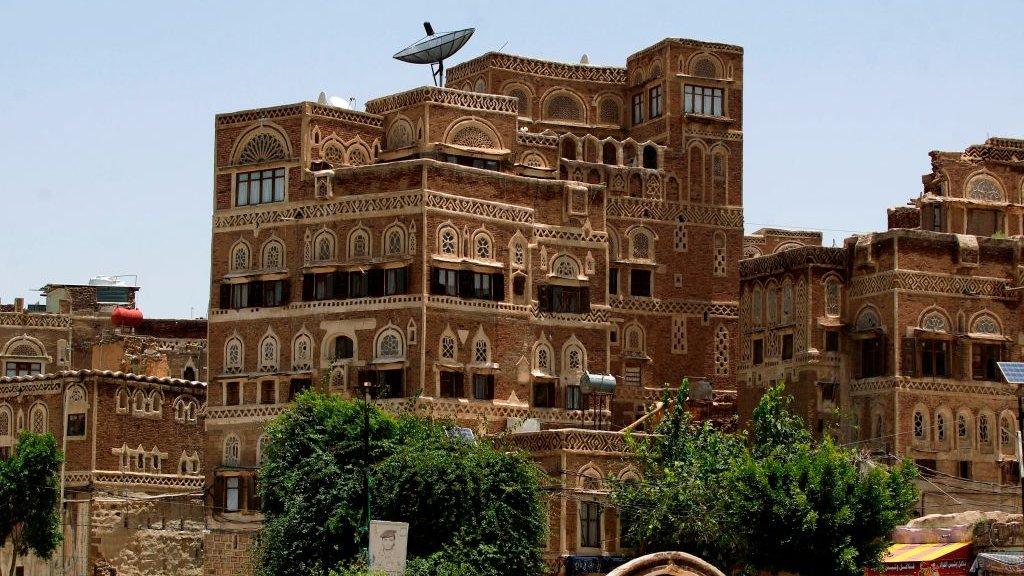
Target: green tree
point(29, 496)
point(778, 502)
point(471, 509)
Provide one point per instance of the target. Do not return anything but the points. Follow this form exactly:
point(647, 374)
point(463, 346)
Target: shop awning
point(949, 559)
point(921, 552)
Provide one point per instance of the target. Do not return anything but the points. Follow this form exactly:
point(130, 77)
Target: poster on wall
point(388, 543)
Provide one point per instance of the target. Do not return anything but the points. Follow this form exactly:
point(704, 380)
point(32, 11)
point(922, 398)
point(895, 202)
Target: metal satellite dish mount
point(434, 48)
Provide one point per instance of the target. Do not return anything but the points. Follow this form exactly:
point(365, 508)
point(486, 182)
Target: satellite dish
point(336, 101)
point(434, 48)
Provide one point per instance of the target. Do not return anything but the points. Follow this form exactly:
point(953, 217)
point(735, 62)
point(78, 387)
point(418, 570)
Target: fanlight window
point(564, 107)
point(481, 351)
point(389, 345)
point(566, 267)
point(273, 255)
point(935, 322)
point(262, 148)
point(984, 188)
point(543, 360)
point(985, 324)
point(868, 320)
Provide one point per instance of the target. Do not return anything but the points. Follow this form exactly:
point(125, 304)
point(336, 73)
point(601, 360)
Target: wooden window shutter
point(908, 357)
point(252, 502)
point(218, 493)
point(585, 299)
point(255, 294)
point(465, 283)
point(225, 296)
point(307, 287)
point(498, 286)
point(286, 290)
point(376, 282)
point(544, 297)
point(341, 285)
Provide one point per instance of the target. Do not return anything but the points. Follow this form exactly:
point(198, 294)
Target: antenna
point(434, 48)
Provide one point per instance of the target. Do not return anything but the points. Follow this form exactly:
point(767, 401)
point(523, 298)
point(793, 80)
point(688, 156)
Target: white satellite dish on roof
point(336, 101)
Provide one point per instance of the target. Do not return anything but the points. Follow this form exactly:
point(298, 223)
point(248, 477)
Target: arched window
point(919, 425)
point(273, 255)
point(37, 419)
point(394, 241)
point(867, 320)
point(448, 241)
point(722, 351)
point(985, 324)
point(323, 246)
point(155, 402)
point(518, 254)
point(832, 296)
point(344, 348)
point(695, 174)
point(481, 350)
point(122, 400)
point(522, 101)
point(984, 432)
point(448, 348)
point(984, 187)
point(565, 106)
point(641, 245)
point(787, 303)
point(574, 359)
point(139, 401)
point(719, 168)
point(543, 358)
point(482, 246)
point(609, 154)
point(935, 321)
point(302, 357)
point(233, 355)
point(941, 431)
point(565, 266)
point(704, 68)
point(268, 354)
point(232, 450)
point(633, 340)
point(6, 425)
point(333, 154)
point(389, 345)
point(650, 156)
point(772, 304)
point(240, 257)
point(263, 147)
point(359, 243)
point(1007, 433)
point(964, 426)
point(189, 373)
point(609, 112)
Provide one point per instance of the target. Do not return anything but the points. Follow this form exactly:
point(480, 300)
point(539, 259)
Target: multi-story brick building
point(133, 468)
point(74, 330)
point(908, 325)
point(477, 247)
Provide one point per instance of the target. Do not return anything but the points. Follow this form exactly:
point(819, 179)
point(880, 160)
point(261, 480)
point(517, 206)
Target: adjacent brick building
point(133, 473)
point(901, 330)
point(477, 247)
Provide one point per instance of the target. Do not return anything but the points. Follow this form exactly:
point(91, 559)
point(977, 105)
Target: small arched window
point(389, 344)
point(233, 355)
point(344, 348)
point(963, 429)
point(301, 355)
point(565, 266)
point(984, 434)
point(394, 242)
point(448, 241)
point(940, 427)
point(37, 419)
point(189, 373)
point(482, 246)
point(919, 425)
point(273, 255)
point(240, 257)
point(232, 450)
point(261, 448)
point(323, 245)
point(268, 354)
point(359, 244)
point(756, 305)
point(787, 303)
point(481, 350)
point(448, 348)
point(575, 359)
point(641, 245)
point(832, 297)
point(984, 187)
point(1006, 433)
point(542, 358)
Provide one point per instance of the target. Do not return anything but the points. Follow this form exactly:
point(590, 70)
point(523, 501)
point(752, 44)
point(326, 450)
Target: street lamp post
point(366, 458)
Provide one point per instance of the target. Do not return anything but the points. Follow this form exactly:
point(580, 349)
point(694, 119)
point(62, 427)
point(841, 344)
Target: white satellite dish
point(336, 101)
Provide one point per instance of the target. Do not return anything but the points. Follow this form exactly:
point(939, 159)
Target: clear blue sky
point(106, 109)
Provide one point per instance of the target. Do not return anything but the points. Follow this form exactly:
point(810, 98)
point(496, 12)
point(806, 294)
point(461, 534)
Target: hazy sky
point(106, 109)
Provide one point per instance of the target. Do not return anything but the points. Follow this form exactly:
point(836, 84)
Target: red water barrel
point(130, 317)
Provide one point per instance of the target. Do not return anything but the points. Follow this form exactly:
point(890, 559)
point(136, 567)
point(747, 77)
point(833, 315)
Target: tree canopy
point(471, 509)
point(29, 496)
point(776, 501)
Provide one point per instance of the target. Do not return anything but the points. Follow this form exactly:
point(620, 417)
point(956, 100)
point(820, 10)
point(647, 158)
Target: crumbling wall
point(142, 536)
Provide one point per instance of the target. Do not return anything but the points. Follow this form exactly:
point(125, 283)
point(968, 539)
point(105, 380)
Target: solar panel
point(1013, 372)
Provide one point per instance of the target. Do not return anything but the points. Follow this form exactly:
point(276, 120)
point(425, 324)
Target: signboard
point(388, 542)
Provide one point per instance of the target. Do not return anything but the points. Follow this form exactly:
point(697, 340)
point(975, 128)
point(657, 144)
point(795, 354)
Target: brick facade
point(920, 314)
